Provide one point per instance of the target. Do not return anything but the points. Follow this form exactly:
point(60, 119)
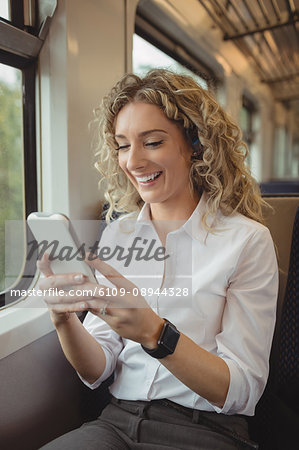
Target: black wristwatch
point(167, 341)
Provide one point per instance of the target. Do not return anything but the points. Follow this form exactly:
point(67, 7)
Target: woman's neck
point(171, 216)
point(174, 210)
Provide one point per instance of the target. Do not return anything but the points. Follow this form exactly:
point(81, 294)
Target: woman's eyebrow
point(142, 133)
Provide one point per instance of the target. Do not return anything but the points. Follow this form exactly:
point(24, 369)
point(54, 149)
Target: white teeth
point(150, 177)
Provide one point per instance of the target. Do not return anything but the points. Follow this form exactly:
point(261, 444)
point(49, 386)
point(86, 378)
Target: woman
point(187, 332)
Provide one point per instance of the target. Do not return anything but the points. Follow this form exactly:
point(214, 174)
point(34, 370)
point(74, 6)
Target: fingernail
point(82, 306)
point(91, 256)
point(78, 277)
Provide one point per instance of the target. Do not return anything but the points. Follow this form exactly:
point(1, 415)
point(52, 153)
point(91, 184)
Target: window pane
point(4, 9)
point(11, 173)
point(280, 145)
point(250, 124)
point(146, 57)
point(245, 120)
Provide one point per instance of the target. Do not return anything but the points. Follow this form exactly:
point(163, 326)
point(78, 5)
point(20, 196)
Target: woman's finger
point(54, 290)
point(44, 265)
point(75, 307)
point(62, 280)
point(117, 297)
point(55, 298)
point(129, 297)
point(109, 272)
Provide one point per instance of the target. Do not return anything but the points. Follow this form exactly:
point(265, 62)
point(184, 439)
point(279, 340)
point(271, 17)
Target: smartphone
point(55, 236)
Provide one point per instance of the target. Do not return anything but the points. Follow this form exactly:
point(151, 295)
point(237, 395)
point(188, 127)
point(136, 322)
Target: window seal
point(19, 42)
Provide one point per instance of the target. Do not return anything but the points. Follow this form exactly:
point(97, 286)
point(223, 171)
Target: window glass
point(295, 159)
point(11, 171)
point(280, 145)
point(247, 116)
point(246, 122)
point(146, 56)
point(4, 9)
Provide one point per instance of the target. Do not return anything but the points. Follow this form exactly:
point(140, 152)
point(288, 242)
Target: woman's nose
point(135, 158)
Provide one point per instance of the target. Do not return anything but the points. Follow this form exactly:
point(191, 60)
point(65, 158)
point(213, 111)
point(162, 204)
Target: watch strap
point(167, 341)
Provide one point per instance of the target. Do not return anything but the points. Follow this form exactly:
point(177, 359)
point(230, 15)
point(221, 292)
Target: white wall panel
point(83, 56)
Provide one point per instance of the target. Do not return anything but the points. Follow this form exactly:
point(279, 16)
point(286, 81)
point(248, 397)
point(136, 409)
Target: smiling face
point(154, 155)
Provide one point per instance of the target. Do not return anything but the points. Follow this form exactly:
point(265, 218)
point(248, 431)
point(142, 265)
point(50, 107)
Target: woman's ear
point(196, 146)
point(193, 139)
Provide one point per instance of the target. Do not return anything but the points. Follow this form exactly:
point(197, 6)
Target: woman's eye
point(123, 147)
point(147, 144)
point(154, 144)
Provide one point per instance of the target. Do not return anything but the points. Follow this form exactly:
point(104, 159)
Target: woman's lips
point(150, 182)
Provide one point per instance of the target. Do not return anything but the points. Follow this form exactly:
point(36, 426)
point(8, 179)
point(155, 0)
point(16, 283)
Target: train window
point(250, 126)
point(246, 120)
point(295, 165)
point(281, 143)
point(18, 172)
point(11, 168)
point(4, 9)
point(146, 56)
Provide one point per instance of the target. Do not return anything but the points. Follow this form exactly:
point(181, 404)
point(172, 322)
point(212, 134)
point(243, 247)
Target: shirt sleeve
point(110, 341)
point(248, 323)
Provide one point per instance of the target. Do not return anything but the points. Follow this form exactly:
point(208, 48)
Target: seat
point(276, 420)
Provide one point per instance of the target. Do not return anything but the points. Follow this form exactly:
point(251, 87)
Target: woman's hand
point(59, 313)
point(127, 314)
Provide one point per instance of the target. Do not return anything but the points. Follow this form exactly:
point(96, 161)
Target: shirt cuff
point(102, 378)
point(237, 398)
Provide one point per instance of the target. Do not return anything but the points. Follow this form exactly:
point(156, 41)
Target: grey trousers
point(159, 424)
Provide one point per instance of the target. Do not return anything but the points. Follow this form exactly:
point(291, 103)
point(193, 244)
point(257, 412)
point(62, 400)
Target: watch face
point(169, 338)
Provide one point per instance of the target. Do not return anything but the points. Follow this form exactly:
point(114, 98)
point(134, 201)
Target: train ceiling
point(266, 31)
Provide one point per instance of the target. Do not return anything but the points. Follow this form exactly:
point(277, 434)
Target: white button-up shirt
point(219, 288)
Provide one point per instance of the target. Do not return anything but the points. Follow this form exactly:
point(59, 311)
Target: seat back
point(273, 413)
point(280, 221)
point(288, 365)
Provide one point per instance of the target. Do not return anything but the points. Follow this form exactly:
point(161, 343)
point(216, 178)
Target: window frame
point(249, 106)
point(27, 63)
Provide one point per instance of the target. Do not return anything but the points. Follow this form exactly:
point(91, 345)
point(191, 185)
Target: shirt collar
point(144, 214)
point(193, 226)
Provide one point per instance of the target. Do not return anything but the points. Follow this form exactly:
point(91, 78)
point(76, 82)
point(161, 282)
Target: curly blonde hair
point(220, 168)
